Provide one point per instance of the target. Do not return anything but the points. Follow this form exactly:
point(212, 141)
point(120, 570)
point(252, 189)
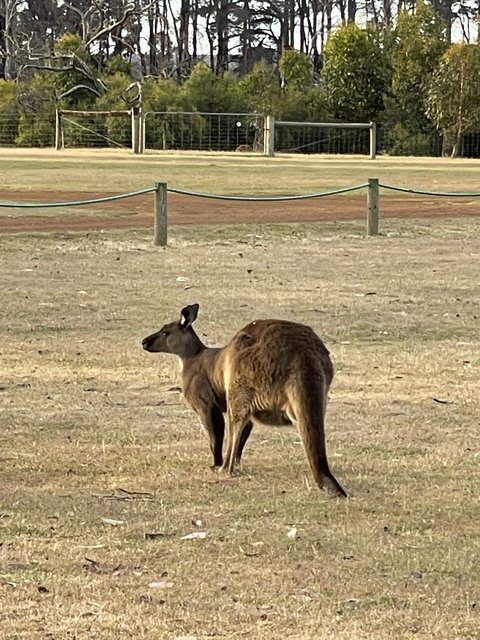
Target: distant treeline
point(423, 91)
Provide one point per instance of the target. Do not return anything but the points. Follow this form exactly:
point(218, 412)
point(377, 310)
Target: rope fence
point(74, 203)
point(420, 192)
point(305, 196)
point(160, 191)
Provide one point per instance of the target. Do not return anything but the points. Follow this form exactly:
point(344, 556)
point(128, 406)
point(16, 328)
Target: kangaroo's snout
point(147, 343)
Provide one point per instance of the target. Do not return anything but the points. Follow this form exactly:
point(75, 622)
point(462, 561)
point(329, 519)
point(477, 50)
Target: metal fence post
point(160, 224)
point(373, 198)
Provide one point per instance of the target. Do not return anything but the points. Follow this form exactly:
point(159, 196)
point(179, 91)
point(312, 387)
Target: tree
point(205, 91)
point(444, 8)
point(355, 75)
point(415, 47)
point(9, 45)
point(37, 112)
point(296, 72)
point(261, 89)
point(296, 69)
point(453, 100)
point(9, 111)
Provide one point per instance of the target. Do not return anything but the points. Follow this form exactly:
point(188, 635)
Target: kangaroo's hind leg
point(214, 424)
point(247, 430)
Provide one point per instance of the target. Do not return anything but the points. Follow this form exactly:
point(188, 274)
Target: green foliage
point(293, 105)
point(296, 70)
point(316, 105)
point(405, 143)
point(9, 112)
point(416, 45)
point(116, 95)
point(408, 82)
point(117, 64)
point(355, 75)
point(300, 97)
point(162, 95)
point(37, 112)
point(68, 44)
point(207, 92)
point(71, 45)
point(260, 89)
point(117, 128)
point(453, 100)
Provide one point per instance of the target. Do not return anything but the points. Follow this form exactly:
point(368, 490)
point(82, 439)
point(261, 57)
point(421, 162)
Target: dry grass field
point(104, 470)
point(117, 171)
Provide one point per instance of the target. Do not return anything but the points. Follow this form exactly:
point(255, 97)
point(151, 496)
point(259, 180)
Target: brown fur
point(244, 147)
point(272, 372)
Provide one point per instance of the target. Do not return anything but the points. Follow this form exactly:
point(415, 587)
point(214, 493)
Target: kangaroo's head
point(176, 337)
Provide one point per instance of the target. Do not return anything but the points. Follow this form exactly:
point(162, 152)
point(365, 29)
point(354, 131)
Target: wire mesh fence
point(311, 138)
point(23, 130)
point(96, 129)
point(189, 131)
point(8, 130)
point(204, 131)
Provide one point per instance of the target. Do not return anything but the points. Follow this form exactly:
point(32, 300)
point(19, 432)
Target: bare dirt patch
point(137, 212)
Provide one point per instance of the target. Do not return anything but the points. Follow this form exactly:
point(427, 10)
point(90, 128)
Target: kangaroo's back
point(275, 350)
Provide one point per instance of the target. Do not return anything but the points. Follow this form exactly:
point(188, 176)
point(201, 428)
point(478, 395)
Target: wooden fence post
point(269, 136)
point(142, 135)
point(58, 130)
point(160, 224)
point(136, 130)
point(373, 206)
point(373, 140)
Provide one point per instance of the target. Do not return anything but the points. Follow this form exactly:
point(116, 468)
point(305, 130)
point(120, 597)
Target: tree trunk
point(291, 25)
point(448, 143)
point(245, 37)
point(152, 39)
point(457, 150)
point(11, 10)
point(351, 10)
point(222, 37)
point(183, 54)
point(195, 30)
point(165, 42)
point(387, 13)
point(444, 9)
point(302, 13)
point(2, 46)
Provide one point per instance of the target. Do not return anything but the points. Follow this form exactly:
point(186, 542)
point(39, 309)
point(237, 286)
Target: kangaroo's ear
point(188, 315)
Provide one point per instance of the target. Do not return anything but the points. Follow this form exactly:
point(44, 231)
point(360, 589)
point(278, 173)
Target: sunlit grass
point(86, 413)
point(118, 171)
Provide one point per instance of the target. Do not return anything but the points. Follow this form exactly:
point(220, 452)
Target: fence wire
point(165, 130)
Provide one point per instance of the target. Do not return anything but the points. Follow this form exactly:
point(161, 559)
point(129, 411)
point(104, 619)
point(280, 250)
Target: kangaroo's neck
point(204, 362)
point(192, 350)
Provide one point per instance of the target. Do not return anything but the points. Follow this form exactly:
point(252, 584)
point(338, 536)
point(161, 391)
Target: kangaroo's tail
point(310, 410)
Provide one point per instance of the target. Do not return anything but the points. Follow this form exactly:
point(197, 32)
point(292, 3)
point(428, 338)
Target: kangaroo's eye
point(165, 334)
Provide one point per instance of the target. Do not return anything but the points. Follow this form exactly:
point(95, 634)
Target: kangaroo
point(271, 372)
